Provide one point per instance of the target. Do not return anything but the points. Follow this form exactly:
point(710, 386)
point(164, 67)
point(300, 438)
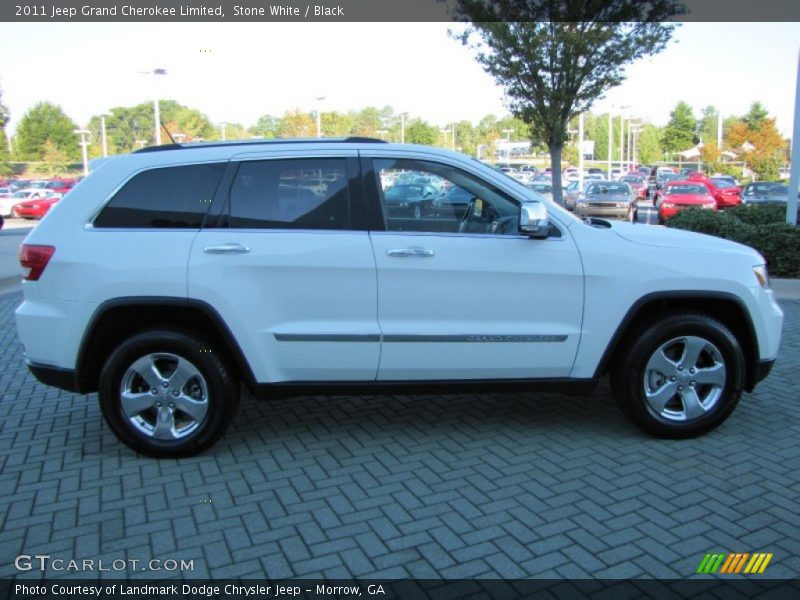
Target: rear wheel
point(681, 376)
point(167, 393)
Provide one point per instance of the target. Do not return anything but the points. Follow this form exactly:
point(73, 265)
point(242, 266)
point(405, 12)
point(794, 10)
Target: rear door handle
point(415, 251)
point(226, 249)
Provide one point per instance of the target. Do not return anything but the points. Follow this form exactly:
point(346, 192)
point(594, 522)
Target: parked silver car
point(606, 199)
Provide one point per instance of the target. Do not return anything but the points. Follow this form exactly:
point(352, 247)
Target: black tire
point(629, 371)
point(221, 397)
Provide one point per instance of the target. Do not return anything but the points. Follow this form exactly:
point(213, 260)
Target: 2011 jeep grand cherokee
point(172, 275)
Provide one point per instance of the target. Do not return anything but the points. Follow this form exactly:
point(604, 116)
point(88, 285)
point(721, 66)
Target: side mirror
point(533, 220)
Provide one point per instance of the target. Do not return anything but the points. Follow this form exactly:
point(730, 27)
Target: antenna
point(171, 139)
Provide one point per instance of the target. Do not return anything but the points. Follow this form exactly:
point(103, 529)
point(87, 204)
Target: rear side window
point(291, 194)
point(170, 197)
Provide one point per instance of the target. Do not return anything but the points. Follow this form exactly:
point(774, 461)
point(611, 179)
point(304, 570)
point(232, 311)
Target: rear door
point(287, 262)
point(461, 295)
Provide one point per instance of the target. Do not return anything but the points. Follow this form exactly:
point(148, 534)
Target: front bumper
point(65, 379)
point(601, 211)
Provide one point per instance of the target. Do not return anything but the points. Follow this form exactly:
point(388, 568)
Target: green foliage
point(756, 116)
point(679, 134)
point(43, 122)
point(707, 126)
point(266, 127)
point(554, 59)
point(420, 132)
point(570, 154)
point(766, 166)
point(761, 227)
point(649, 145)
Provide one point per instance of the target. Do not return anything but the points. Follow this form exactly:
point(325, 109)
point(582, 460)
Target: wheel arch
point(725, 307)
point(116, 319)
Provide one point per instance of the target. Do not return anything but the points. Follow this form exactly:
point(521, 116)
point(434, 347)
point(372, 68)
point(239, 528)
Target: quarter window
point(169, 197)
point(291, 194)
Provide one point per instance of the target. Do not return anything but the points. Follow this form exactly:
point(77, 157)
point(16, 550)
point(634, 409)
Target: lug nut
point(154, 391)
point(164, 384)
point(176, 393)
point(680, 388)
point(172, 405)
point(158, 404)
point(692, 384)
point(680, 367)
point(692, 370)
point(673, 378)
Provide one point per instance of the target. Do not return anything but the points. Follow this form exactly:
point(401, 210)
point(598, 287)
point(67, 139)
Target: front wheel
point(681, 376)
point(167, 394)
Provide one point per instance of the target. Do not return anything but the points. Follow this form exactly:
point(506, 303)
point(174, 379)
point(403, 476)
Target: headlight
point(667, 205)
point(760, 271)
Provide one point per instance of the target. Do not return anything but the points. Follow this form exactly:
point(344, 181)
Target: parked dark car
point(454, 203)
point(410, 200)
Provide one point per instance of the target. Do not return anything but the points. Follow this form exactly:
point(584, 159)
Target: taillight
point(34, 259)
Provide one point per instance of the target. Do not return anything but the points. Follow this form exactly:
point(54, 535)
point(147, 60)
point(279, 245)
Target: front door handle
point(226, 249)
point(414, 251)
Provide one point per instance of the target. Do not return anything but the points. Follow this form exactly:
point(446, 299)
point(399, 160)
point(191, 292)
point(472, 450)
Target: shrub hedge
point(758, 226)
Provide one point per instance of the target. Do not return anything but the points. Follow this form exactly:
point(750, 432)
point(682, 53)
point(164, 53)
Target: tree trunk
point(555, 165)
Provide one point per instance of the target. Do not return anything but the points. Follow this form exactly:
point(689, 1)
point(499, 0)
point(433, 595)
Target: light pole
point(453, 140)
point(382, 133)
point(103, 132)
point(83, 133)
point(719, 131)
point(319, 121)
point(794, 175)
point(610, 140)
point(222, 127)
point(141, 143)
point(580, 151)
point(508, 133)
point(621, 138)
point(403, 128)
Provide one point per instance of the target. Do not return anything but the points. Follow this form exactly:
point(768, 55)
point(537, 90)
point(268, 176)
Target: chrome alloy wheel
point(164, 396)
point(684, 378)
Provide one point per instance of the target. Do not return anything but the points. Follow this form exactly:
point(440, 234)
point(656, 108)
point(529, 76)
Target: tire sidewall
point(181, 345)
point(650, 341)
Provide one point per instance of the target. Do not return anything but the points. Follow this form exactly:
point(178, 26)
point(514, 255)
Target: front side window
point(168, 197)
point(291, 194)
point(432, 197)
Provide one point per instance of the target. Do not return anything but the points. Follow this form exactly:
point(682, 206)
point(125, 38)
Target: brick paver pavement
point(491, 485)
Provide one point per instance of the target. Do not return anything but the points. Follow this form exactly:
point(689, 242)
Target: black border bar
point(174, 11)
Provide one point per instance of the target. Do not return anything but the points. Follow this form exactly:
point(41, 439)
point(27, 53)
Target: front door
point(461, 295)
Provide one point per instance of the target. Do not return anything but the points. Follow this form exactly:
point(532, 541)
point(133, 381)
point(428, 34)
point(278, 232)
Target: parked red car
point(36, 209)
point(725, 193)
point(638, 184)
point(680, 195)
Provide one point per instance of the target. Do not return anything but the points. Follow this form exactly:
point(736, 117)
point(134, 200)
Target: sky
point(236, 72)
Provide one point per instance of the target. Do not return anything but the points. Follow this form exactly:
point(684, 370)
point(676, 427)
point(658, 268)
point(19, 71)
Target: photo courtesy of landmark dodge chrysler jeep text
point(173, 275)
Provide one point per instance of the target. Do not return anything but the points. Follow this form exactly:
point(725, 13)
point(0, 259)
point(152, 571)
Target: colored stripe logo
point(736, 562)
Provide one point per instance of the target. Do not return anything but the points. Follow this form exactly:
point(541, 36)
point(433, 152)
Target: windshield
point(632, 179)
point(772, 189)
point(721, 183)
point(596, 189)
point(20, 194)
point(686, 189)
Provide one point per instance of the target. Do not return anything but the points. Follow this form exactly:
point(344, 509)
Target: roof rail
point(190, 145)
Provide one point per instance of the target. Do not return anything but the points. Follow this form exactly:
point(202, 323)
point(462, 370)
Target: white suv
point(173, 275)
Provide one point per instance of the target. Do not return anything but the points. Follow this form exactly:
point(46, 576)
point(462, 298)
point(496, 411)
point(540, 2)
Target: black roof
point(256, 142)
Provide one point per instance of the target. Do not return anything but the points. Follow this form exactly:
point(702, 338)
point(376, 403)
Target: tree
point(756, 116)
point(554, 59)
point(43, 122)
point(298, 124)
point(679, 134)
point(4, 117)
point(420, 132)
point(707, 127)
point(54, 160)
point(756, 138)
point(649, 145)
point(266, 127)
